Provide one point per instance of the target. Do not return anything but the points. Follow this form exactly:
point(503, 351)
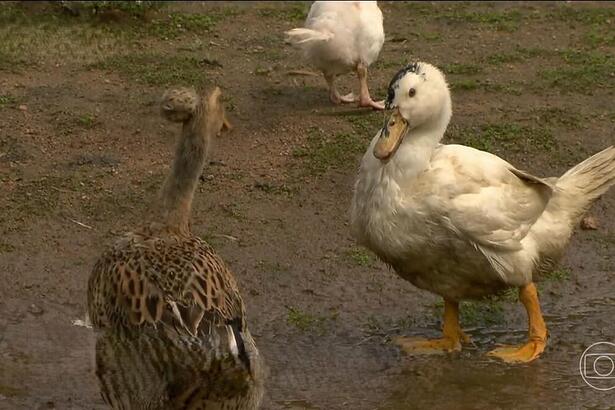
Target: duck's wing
point(486, 200)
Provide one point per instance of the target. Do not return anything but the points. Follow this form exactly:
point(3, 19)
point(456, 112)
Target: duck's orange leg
point(537, 331)
point(453, 335)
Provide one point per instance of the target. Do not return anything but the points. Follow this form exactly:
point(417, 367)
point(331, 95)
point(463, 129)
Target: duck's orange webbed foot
point(451, 342)
point(537, 332)
point(519, 354)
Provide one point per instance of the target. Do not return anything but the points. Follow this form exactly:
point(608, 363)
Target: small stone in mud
point(23, 107)
point(589, 222)
point(35, 310)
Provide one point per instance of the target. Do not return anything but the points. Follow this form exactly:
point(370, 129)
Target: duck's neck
point(178, 190)
point(416, 150)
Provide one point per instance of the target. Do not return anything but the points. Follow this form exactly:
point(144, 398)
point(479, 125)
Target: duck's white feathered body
point(463, 223)
point(340, 34)
point(447, 228)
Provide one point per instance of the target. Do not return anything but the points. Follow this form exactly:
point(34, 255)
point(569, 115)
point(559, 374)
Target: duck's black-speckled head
point(394, 84)
point(419, 97)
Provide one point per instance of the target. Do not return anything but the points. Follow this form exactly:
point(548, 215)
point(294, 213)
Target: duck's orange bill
point(391, 136)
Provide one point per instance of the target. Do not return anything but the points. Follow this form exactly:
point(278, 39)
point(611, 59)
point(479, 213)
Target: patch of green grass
point(511, 88)
point(501, 20)
point(307, 322)
point(509, 295)
point(365, 124)
point(215, 241)
point(175, 24)
point(9, 391)
point(276, 189)
point(6, 247)
point(460, 68)
point(67, 121)
point(384, 64)
point(156, 69)
point(519, 54)
point(11, 62)
point(557, 117)
point(360, 256)
point(583, 73)
point(375, 326)
point(598, 36)
point(30, 39)
point(430, 36)
point(86, 120)
point(233, 210)
point(37, 197)
point(296, 12)
point(505, 137)
point(269, 267)
point(131, 8)
point(487, 311)
point(57, 37)
point(464, 84)
point(558, 274)
point(586, 15)
point(503, 58)
point(7, 100)
point(484, 312)
point(324, 151)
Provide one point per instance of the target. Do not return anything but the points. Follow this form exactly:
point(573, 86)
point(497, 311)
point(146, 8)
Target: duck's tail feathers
point(301, 36)
point(581, 185)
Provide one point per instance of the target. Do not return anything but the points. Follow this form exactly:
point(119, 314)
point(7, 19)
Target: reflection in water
point(470, 380)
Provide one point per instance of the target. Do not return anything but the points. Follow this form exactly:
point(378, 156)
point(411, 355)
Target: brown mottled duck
point(170, 321)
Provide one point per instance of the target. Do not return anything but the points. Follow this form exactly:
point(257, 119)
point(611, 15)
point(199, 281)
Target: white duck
point(341, 36)
point(460, 222)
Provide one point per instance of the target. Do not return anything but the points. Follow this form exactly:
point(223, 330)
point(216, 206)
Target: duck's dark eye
point(412, 92)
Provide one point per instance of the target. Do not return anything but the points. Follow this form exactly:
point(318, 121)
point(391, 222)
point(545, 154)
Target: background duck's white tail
point(298, 36)
point(582, 184)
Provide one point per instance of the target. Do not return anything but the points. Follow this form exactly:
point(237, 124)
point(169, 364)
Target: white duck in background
point(460, 222)
point(339, 37)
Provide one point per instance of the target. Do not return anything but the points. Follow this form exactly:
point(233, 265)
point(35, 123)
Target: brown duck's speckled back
point(172, 329)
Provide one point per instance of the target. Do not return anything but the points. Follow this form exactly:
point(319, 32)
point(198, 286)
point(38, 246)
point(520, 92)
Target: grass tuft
point(7, 101)
point(506, 137)
point(307, 322)
point(323, 152)
point(156, 69)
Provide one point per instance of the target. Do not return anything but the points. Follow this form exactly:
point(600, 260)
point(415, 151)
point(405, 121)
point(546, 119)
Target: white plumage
point(339, 37)
point(460, 222)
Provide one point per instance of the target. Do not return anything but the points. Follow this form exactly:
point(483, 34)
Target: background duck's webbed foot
point(348, 98)
point(334, 95)
point(377, 105)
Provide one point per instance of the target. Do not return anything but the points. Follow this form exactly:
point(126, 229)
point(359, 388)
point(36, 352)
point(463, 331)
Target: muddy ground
point(83, 151)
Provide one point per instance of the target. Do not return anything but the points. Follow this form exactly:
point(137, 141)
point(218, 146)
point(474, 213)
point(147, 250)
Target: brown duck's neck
point(178, 190)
